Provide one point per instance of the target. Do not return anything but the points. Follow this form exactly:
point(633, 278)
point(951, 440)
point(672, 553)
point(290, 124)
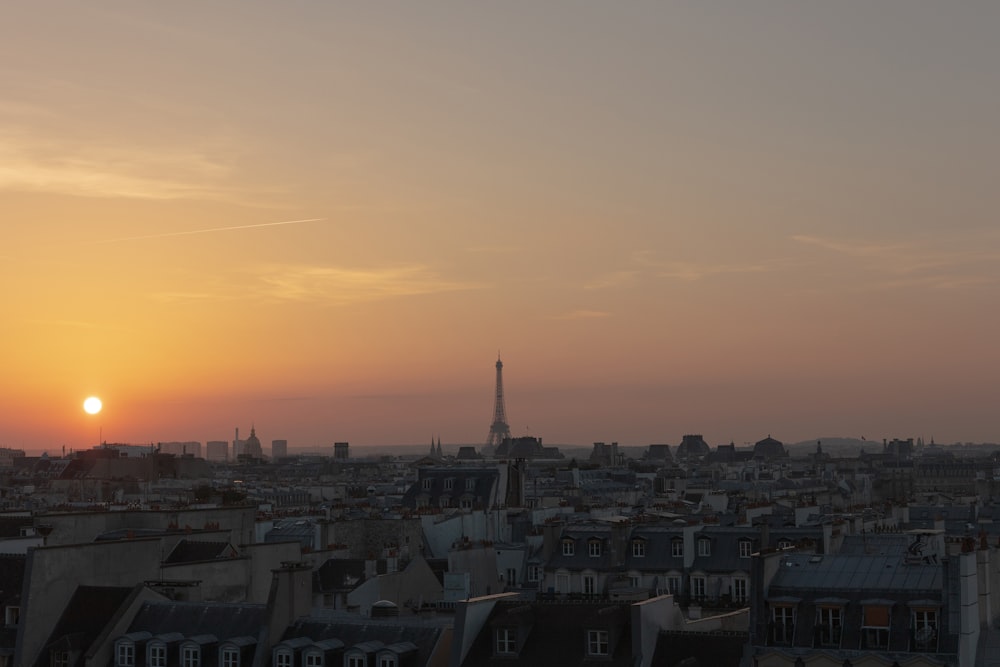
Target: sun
point(92, 405)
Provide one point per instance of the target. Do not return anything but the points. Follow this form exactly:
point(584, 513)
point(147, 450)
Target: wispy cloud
point(340, 285)
point(945, 263)
point(646, 266)
point(692, 271)
point(102, 171)
point(210, 230)
point(582, 315)
point(612, 279)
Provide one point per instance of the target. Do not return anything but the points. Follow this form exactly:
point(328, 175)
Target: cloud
point(79, 169)
point(612, 279)
point(951, 262)
point(582, 315)
point(692, 271)
point(210, 230)
point(341, 286)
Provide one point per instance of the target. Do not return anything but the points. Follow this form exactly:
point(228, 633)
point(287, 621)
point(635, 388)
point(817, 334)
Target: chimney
point(290, 597)
point(550, 535)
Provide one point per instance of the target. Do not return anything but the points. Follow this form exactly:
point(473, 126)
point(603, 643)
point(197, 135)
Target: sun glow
point(92, 405)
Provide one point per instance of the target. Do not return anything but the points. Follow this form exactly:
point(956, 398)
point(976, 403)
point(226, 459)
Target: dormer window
point(594, 548)
point(597, 642)
point(229, 657)
point(567, 548)
point(427, 483)
point(449, 484)
point(925, 625)
point(830, 620)
point(677, 547)
point(470, 484)
point(283, 658)
point(638, 548)
point(783, 622)
point(156, 654)
point(387, 661)
point(746, 548)
point(784, 544)
point(506, 641)
point(191, 656)
point(125, 654)
point(59, 658)
point(357, 660)
point(704, 547)
point(875, 627)
point(314, 660)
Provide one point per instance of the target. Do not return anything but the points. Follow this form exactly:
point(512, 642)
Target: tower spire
point(499, 429)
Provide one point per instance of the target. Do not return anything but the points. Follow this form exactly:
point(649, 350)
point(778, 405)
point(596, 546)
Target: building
point(341, 451)
point(279, 449)
point(901, 600)
point(217, 450)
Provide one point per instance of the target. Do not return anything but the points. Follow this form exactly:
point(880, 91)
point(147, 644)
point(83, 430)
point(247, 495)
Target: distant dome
point(769, 448)
point(692, 446)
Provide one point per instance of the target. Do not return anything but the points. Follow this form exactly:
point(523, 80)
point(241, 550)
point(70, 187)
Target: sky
point(326, 220)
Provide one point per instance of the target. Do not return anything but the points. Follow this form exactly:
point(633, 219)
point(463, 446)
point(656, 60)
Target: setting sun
point(92, 405)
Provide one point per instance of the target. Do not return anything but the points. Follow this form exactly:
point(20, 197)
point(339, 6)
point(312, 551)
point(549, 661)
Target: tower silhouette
point(499, 429)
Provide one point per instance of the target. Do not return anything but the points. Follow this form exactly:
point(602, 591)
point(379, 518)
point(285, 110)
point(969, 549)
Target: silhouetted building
point(341, 451)
point(279, 449)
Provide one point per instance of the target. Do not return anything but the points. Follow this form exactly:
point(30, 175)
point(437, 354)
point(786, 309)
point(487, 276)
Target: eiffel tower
point(499, 428)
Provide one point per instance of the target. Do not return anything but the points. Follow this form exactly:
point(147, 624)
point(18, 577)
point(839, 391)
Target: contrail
point(209, 231)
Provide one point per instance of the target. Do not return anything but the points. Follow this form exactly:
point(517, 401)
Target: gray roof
point(851, 572)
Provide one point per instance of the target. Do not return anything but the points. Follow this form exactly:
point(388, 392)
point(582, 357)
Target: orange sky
point(732, 219)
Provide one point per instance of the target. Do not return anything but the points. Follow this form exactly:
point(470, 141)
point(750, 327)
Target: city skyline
point(730, 219)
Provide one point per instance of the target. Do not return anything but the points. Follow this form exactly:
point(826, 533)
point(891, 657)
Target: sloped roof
point(355, 630)
point(193, 551)
point(86, 614)
point(224, 620)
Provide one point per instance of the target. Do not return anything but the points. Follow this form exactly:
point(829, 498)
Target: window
point(594, 548)
point(191, 656)
point(59, 659)
point(635, 581)
point(589, 584)
point(387, 661)
point(506, 641)
point(444, 502)
point(562, 583)
point(283, 658)
point(674, 585)
point(314, 660)
point(567, 548)
point(534, 573)
point(925, 629)
point(356, 660)
point(449, 484)
point(126, 654)
point(230, 657)
point(784, 544)
point(157, 655)
point(677, 547)
point(12, 615)
point(746, 548)
point(783, 618)
point(829, 620)
point(698, 587)
point(597, 642)
point(638, 548)
point(875, 627)
point(511, 576)
point(470, 484)
point(427, 483)
point(704, 547)
point(466, 504)
point(739, 590)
